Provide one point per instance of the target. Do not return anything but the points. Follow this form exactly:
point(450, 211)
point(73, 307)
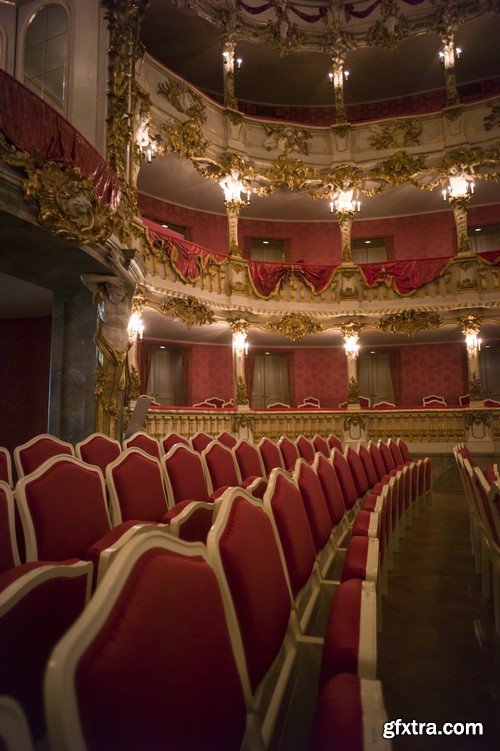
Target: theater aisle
point(438, 654)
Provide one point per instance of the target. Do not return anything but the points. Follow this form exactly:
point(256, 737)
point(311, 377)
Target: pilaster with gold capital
point(239, 330)
point(233, 209)
point(470, 325)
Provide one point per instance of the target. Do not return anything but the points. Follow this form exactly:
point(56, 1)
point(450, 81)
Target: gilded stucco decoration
point(294, 325)
point(241, 391)
point(133, 388)
point(184, 99)
point(238, 325)
point(391, 29)
point(290, 174)
point(399, 168)
point(493, 119)
point(189, 310)
point(68, 205)
point(286, 138)
point(124, 20)
point(409, 322)
point(282, 33)
point(185, 139)
point(394, 135)
point(352, 391)
point(350, 328)
point(470, 323)
point(475, 388)
point(477, 418)
point(354, 421)
point(336, 42)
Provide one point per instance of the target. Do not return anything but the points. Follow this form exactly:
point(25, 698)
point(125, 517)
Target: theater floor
point(438, 653)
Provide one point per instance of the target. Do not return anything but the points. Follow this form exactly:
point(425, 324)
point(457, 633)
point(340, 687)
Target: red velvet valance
point(267, 276)
point(404, 276)
point(31, 125)
point(187, 258)
point(491, 256)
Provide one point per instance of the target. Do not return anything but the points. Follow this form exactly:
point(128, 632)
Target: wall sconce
point(336, 78)
point(472, 341)
point(460, 186)
point(239, 61)
point(135, 326)
point(240, 343)
point(351, 344)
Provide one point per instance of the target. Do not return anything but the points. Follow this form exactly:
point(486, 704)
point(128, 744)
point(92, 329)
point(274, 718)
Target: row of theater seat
point(482, 491)
point(310, 514)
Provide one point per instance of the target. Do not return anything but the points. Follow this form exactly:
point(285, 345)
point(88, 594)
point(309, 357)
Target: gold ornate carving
point(189, 310)
point(354, 420)
point(409, 322)
point(398, 168)
point(241, 391)
point(493, 119)
point(470, 323)
point(238, 325)
point(68, 205)
point(133, 388)
point(352, 391)
point(294, 325)
point(282, 33)
point(124, 20)
point(184, 99)
point(186, 139)
point(337, 42)
point(243, 420)
point(477, 418)
point(232, 113)
point(351, 328)
point(475, 389)
point(286, 138)
point(391, 29)
point(396, 134)
point(291, 174)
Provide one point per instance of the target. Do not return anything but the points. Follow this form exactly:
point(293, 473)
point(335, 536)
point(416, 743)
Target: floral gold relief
point(409, 322)
point(189, 310)
point(294, 325)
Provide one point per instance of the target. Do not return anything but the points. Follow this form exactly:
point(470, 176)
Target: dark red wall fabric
point(416, 236)
point(320, 372)
point(24, 378)
point(439, 369)
point(212, 372)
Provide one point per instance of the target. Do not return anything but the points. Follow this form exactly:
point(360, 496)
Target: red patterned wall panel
point(433, 369)
point(321, 372)
point(212, 372)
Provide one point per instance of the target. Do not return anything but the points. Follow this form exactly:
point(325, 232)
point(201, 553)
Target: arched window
point(46, 54)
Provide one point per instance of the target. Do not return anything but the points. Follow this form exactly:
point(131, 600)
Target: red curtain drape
point(249, 366)
point(144, 354)
point(187, 374)
point(396, 373)
point(291, 377)
point(404, 276)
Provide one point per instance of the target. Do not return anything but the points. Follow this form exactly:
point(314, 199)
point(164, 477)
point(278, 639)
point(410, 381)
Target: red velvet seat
point(36, 451)
point(185, 477)
point(350, 716)
point(346, 480)
point(358, 472)
point(38, 603)
point(320, 444)
point(151, 663)
point(248, 459)
point(332, 492)
point(171, 439)
point(334, 442)
point(191, 520)
point(200, 441)
point(15, 733)
point(271, 455)
point(350, 640)
point(9, 555)
point(98, 449)
point(306, 448)
point(289, 452)
point(145, 442)
point(64, 515)
point(227, 439)
point(5, 466)
point(222, 471)
point(136, 487)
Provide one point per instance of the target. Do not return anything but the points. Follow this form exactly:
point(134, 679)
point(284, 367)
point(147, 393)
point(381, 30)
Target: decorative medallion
point(409, 322)
point(294, 325)
point(291, 174)
point(189, 310)
point(286, 138)
point(398, 168)
point(184, 99)
point(68, 205)
point(396, 134)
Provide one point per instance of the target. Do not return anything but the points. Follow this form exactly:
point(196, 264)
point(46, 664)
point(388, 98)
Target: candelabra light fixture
point(240, 343)
point(459, 186)
point(343, 201)
point(335, 77)
point(351, 344)
point(135, 326)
